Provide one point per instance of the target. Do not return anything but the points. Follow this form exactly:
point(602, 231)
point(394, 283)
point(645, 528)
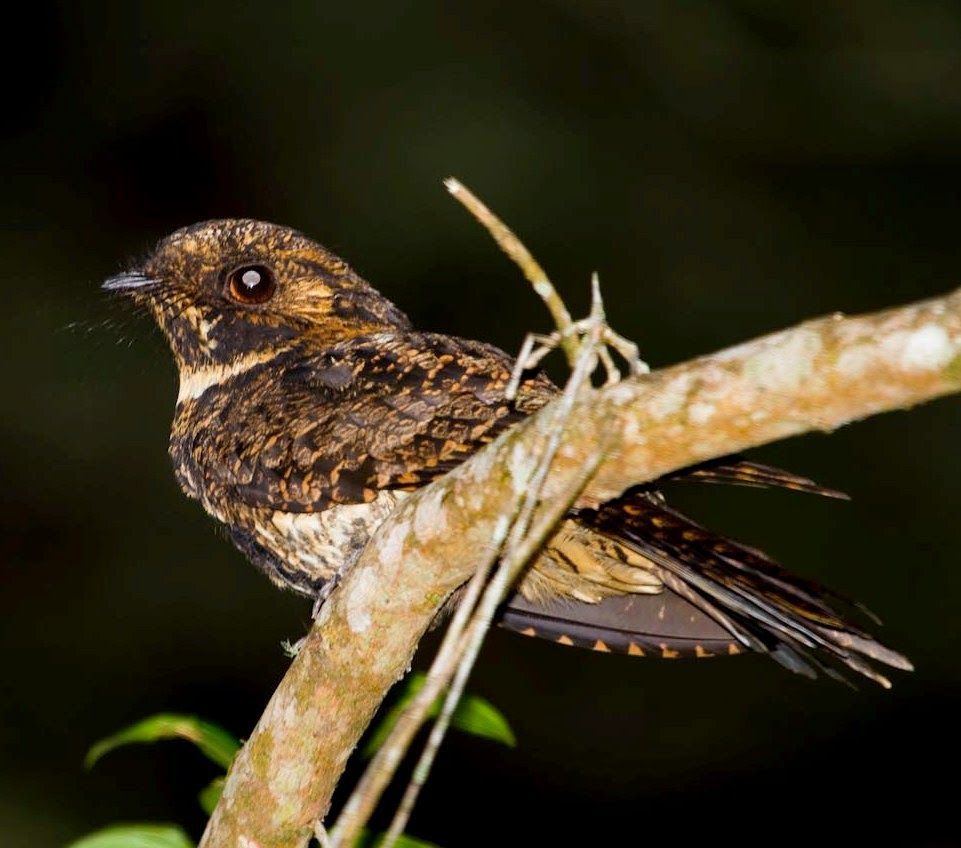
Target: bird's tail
point(720, 597)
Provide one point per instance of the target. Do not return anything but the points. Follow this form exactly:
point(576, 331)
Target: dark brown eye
point(251, 284)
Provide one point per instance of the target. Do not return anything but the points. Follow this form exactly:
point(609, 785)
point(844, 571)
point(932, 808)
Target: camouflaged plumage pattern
point(304, 418)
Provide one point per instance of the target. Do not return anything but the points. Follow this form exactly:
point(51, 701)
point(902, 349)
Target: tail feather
point(663, 625)
point(719, 597)
point(750, 595)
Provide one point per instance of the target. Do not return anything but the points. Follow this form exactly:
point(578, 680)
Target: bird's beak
point(130, 281)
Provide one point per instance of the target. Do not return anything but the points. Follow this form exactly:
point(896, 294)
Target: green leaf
point(215, 742)
point(474, 715)
point(479, 717)
point(210, 794)
point(135, 836)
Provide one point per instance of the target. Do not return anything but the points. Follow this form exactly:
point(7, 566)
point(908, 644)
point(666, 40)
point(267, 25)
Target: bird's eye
point(251, 284)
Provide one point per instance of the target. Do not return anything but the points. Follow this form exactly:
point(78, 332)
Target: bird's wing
point(385, 412)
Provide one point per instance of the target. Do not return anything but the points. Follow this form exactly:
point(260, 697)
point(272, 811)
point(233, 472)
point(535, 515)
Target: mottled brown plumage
point(309, 407)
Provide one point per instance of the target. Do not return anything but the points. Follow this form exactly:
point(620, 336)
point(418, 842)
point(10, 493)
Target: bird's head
point(238, 288)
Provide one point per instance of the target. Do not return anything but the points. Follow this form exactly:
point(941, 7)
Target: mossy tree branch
point(816, 376)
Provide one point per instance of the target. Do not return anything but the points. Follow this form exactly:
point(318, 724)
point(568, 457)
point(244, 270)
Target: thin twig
point(382, 767)
point(379, 772)
point(366, 794)
point(523, 545)
point(512, 246)
point(458, 652)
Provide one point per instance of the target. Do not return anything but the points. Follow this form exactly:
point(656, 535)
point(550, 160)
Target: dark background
point(729, 168)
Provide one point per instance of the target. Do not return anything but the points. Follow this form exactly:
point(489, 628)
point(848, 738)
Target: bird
point(309, 406)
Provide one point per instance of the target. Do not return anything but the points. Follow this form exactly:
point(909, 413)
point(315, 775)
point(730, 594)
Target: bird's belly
point(312, 550)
